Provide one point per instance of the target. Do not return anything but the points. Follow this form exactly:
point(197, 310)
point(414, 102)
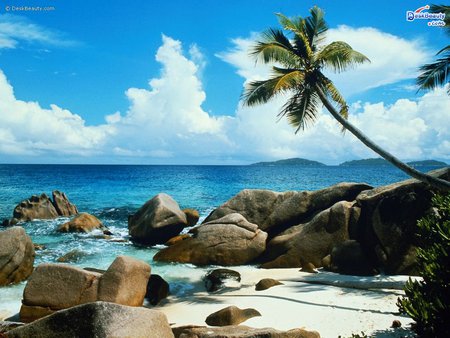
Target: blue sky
point(159, 82)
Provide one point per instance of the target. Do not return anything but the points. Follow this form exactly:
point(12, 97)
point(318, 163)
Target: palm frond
point(340, 56)
point(442, 9)
point(301, 109)
point(437, 73)
point(297, 26)
point(315, 27)
point(330, 89)
point(274, 47)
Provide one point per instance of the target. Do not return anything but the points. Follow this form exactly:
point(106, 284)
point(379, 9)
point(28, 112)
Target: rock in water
point(63, 205)
point(99, 319)
point(72, 256)
point(240, 331)
point(157, 289)
point(231, 315)
point(83, 222)
point(157, 221)
point(53, 287)
point(231, 240)
point(266, 283)
point(36, 207)
point(16, 256)
point(192, 216)
point(220, 278)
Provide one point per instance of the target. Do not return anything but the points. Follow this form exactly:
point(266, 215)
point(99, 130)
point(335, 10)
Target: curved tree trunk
point(432, 181)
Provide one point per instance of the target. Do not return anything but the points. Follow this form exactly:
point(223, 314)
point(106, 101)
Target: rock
point(240, 331)
point(388, 221)
point(312, 241)
point(308, 267)
point(266, 283)
point(176, 239)
point(72, 256)
point(157, 221)
point(53, 287)
point(231, 240)
point(192, 216)
point(99, 319)
point(219, 278)
point(275, 212)
point(38, 247)
point(100, 271)
point(16, 256)
point(396, 324)
point(83, 222)
point(326, 262)
point(62, 204)
point(36, 207)
point(157, 289)
point(125, 282)
point(230, 315)
point(349, 258)
point(6, 326)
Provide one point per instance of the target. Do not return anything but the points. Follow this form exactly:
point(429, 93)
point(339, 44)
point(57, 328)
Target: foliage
point(428, 301)
point(357, 335)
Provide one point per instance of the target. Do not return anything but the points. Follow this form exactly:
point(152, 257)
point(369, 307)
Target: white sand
point(330, 310)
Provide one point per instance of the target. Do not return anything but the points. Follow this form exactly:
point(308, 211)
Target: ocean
point(112, 192)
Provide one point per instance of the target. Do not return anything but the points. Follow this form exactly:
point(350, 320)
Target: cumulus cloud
point(14, 29)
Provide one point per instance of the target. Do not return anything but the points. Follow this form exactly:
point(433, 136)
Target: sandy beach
point(330, 310)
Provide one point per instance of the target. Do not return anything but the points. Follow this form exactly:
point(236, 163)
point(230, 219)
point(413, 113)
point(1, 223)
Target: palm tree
point(299, 62)
point(437, 73)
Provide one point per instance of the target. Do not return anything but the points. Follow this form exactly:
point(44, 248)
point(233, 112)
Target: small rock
point(157, 289)
point(326, 262)
point(231, 315)
point(72, 256)
point(396, 324)
point(308, 267)
point(266, 283)
point(39, 246)
point(220, 278)
point(83, 222)
point(192, 216)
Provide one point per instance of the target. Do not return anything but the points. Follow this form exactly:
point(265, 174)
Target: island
point(427, 163)
point(383, 162)
point(290, 161)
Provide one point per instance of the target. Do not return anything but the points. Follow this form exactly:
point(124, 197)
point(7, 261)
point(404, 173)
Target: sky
point(159, 82)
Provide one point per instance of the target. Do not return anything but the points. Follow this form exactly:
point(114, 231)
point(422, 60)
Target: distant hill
point(428, 163)
point(367, 161)
point(383, 162)
point(290, 161)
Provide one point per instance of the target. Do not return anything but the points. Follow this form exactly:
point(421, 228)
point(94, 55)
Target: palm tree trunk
point(432, 181)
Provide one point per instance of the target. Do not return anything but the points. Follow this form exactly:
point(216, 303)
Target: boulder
point(6, 326)
point(312, 241)
point(266, 283)
point(349, 258)
point(36, 207)
point(388, 221)
point(240, 331)
point(62, 204)
point(176, 239)
point(83, 222)
point(16, 256)
point(219, 278)
point(231, 315)
point(98, 319)
point(230, 240)
point(157, 289)
point(192, 216)
point(53, 287)
point(157, 221)
point(275, 212)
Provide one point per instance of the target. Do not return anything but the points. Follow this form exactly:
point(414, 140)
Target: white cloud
point(14, 29)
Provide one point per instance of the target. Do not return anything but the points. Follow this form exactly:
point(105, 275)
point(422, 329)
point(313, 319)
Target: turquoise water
point(113, 192)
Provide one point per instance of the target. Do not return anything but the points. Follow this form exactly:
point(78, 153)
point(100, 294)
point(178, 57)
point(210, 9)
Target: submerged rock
point(72, 256)
point(157, 221)
point(231, 315)
point(98, 319)
point(16, 256)
point(219, 278)
point(231, 240)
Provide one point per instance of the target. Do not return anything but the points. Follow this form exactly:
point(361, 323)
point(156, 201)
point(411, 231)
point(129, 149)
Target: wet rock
point(157, 221)
point(99, 319)
point(266, 283)
point(62, 204)
point(157, 289)
point(36, 207)
point(16, 256)
point(83, 222)
point(220, 278)
point(72, 256)
point(231, 315)
point(231, 240)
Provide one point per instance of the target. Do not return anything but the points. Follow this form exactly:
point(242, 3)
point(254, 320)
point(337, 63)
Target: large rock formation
point(312, 241)
point(157, 221)
point(82, 222)
point(42, 207)
point(99, 319)
point(230, 240)
point(240, 331)
point(274, 212)
point(53, 287)
point(16, 256)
